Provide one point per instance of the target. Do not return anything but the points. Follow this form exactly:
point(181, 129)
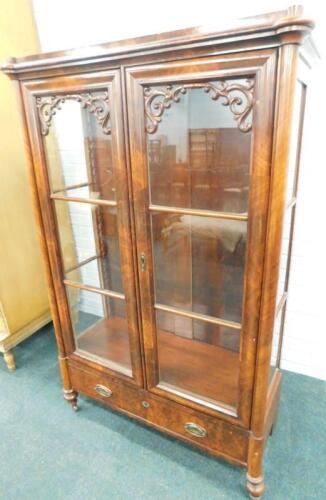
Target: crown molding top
point(286, 26)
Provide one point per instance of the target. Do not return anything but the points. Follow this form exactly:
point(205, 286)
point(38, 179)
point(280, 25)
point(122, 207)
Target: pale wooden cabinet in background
point(24, 304)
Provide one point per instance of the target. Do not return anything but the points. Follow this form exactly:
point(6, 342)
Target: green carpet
point(49, 452)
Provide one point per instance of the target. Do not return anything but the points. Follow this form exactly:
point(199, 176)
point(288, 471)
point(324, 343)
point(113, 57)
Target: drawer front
point(206, 432)
point(209, 433)
point(95, 385)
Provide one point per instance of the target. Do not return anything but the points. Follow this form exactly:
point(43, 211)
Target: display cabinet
point(164, 175)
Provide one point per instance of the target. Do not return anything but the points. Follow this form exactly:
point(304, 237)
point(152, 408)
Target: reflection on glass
point(284, 258)
point(100, 327)
point(186, 347)
point(199, 263)
point(276, 341)
point(202, 331)
point(198, 157)
point(295, 138)
point(79, 154)
point(88, 236)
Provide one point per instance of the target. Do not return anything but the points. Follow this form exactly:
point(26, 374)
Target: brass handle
point(195, 430)
point(103, 391)
point(142, 262)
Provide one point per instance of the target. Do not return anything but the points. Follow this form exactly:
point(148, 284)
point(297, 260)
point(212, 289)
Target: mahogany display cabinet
point(165, 171)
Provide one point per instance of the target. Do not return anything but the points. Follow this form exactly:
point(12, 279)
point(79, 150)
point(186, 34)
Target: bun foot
point(255, 486)
point(71, 396)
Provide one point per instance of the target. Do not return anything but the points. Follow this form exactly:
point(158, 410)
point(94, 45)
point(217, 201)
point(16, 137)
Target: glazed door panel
point(77, 139)
point(199, 205)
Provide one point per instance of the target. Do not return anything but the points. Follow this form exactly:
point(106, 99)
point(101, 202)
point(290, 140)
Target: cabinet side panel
point(282, 127)
point(288, 225)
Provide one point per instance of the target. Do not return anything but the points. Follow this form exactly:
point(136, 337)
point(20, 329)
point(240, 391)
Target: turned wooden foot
point(255, 486)
point(255, 476)
point(10, 360)
point(71, 396)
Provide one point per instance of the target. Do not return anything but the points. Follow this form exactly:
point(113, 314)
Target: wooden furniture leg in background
point(10, 360)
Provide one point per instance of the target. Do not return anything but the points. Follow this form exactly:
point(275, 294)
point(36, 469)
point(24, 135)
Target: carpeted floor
point(48, 452)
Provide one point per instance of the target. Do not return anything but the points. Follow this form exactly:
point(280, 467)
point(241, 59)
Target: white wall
point(79, 23)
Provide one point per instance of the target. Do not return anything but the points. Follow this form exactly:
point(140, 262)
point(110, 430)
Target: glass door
point(194, 195)
point(84, 169)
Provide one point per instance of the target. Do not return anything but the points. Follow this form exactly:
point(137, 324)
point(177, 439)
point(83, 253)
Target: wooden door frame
point(95, 81)
point(262, 66)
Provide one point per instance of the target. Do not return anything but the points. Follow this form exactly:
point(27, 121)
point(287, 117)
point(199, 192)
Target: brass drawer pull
point(103, 391)
point(195, 430)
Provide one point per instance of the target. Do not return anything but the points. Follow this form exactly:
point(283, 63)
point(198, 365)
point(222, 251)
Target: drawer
point(208, 433)
point(95, 384)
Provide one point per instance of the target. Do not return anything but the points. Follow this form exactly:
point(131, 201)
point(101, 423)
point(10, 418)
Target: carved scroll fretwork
point(238, 96)
point(97, 104)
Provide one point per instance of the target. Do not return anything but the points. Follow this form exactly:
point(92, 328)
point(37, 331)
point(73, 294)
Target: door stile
point(132, 217)
point(142, 228)
point(125, 230)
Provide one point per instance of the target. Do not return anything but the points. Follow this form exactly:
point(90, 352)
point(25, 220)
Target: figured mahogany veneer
point(166, 221)
point(222, 439)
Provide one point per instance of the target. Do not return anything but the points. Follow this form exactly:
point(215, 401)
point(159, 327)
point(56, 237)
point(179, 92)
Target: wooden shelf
point(198, 368)
point(107, 339)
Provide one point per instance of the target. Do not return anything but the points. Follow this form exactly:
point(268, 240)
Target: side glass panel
point(295, 140)
point(198, 156)
point(79, 151)
point(281, 296)
point(277, 334)
point(288, 222)
point(285, 253)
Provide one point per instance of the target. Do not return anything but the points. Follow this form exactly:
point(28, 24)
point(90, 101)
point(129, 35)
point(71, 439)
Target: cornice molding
point(269, 29)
